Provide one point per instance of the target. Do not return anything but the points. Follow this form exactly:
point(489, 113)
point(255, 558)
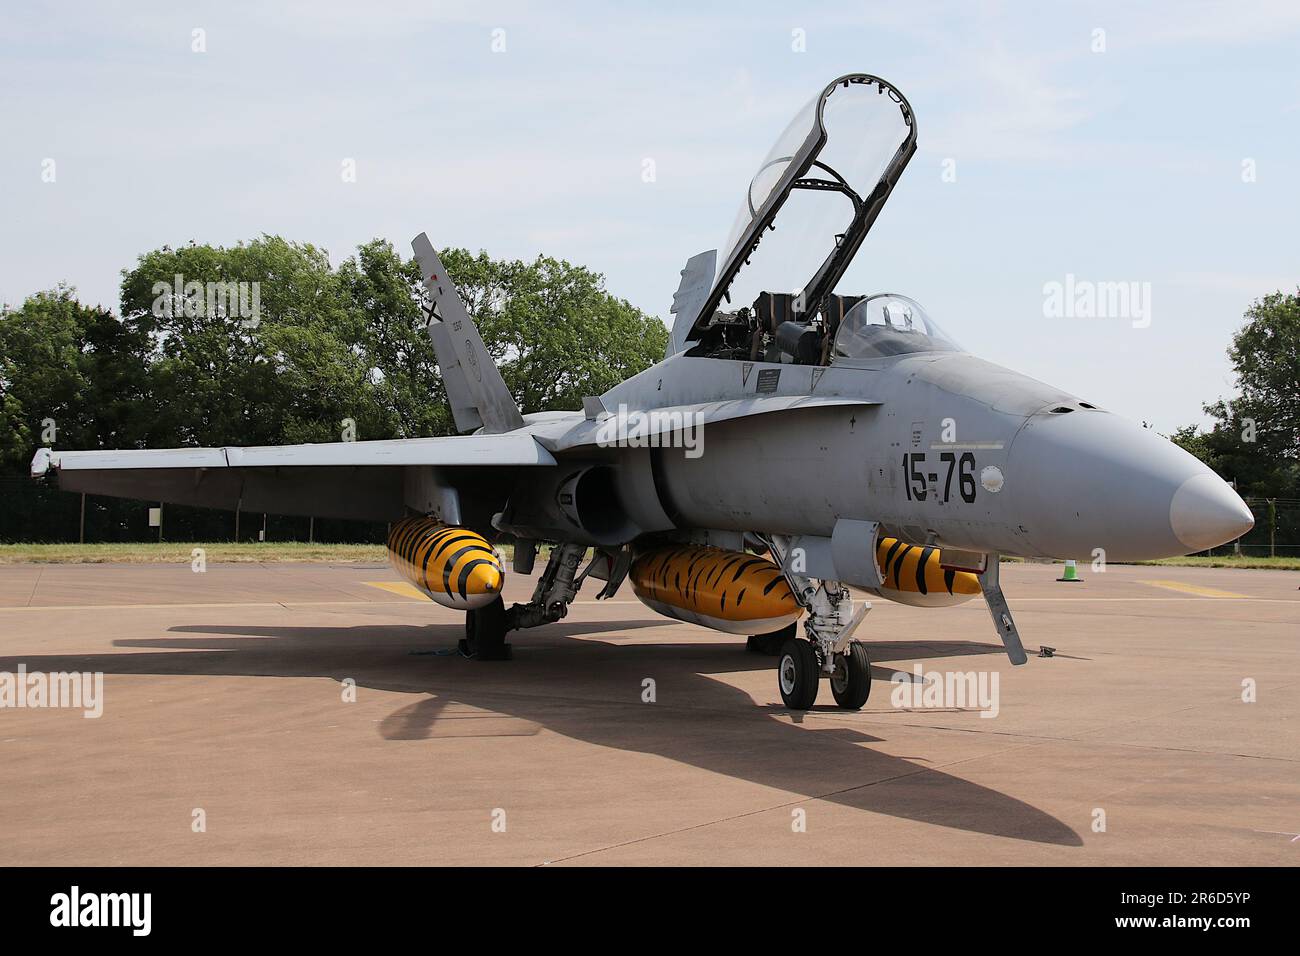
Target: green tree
point(198, 365)
point(224, 376)
point(76, 366)
point(189, 363)
point(1266, 357)
point(554, 330)
point(350, 344)
point(1255, 438)
point(405, 383)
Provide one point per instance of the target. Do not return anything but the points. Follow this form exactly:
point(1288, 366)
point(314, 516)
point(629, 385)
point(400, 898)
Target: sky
point(1155, 144)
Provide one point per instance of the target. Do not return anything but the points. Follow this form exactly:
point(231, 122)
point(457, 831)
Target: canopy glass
point(815, 194)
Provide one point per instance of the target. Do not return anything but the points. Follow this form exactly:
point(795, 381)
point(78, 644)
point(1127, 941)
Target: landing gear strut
point(828, 648)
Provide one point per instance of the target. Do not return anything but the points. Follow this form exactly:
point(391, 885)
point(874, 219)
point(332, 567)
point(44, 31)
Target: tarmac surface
point(229, 736)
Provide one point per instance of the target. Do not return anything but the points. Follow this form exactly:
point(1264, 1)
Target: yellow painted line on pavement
point(1197, 589)
point(154, 607)
point(399, 587)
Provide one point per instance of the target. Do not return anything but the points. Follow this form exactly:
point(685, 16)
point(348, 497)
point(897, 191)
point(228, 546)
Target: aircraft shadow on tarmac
point(586, 690)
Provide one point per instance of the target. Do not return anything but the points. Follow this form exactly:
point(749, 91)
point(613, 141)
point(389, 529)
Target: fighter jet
point(797, 445)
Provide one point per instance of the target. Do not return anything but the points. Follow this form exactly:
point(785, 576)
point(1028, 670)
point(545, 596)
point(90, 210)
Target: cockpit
point(888, 324)
point(805, 214)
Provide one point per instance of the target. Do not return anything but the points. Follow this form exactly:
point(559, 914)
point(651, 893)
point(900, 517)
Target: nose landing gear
point(828, 649)
point(800, 670)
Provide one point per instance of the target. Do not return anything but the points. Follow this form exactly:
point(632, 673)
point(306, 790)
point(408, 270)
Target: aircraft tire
point(466, 643)
point(851, 681)
point(770, 644)
point(485, 633)
point(798, 674)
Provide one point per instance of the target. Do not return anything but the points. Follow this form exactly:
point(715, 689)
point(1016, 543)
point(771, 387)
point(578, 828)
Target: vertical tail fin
point(697, 282)
point(475, 388)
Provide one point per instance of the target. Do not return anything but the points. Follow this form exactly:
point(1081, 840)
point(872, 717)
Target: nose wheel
point(851, 678)
point(799, 672)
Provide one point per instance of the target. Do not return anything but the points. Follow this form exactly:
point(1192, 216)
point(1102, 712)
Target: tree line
point(265, 343)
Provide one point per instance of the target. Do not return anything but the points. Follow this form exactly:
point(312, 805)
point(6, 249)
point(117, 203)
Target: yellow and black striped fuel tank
point(455, 566)
point(912, 575)
point(726, 590)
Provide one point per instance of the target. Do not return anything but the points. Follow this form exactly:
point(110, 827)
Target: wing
point(364, 479)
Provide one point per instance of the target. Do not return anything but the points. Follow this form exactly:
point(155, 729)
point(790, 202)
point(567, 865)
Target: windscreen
point(889, 325)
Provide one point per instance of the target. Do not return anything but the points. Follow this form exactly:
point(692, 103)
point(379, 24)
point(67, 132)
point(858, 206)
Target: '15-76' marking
point(914, 478)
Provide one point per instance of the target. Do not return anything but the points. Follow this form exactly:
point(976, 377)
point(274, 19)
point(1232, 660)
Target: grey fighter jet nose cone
point(1085, 479)
point(1206, 512)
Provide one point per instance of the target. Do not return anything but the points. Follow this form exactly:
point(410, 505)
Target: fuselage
point(957, 452)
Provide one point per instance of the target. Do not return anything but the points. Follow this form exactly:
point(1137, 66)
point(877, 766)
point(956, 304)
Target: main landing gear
point(486, 628)
point(827, 649)
point(771, 644)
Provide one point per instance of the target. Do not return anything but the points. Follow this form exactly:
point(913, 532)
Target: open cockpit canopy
point(804, 214)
